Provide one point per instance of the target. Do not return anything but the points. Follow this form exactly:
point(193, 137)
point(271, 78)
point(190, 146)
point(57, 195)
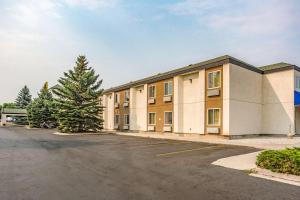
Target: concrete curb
point(283, 178)
point(79, 134)
point(259, 142)
point(27, 127)
point(246, 162)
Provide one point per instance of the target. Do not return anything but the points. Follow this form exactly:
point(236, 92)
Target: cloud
point(195, 7)
point(92, 4)
point(263, 30)
point(245, 17)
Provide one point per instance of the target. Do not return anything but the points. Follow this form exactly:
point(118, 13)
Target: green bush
point(283, 161)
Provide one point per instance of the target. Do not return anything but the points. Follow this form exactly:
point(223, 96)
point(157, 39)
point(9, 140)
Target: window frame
point(207, 117)
point(117, 97)
point(118, 119)
point(152, 86)
point(126, 115)
point(126, 93)
point(168, 124)
point(168, 82)
point(297, 83)
point(154, 118)
point(212, 72)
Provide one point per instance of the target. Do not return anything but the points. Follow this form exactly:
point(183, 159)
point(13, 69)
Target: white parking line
point(184, 151)
point(156, 144)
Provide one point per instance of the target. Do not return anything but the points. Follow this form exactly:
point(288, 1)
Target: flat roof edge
point(291, 67)
point(190, 68)
point(167, 75)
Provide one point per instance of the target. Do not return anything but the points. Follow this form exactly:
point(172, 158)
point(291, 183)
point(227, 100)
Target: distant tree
point(78, 99)
point(40, 110)
point(22, 101)
point(9, 105)
point(24, 98)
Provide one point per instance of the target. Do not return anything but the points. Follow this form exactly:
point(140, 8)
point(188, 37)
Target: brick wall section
point(160, 106)
point(216, 101)
point(122, 110)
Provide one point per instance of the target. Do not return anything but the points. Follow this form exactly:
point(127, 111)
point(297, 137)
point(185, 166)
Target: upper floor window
point(213, 116)
point(152, 91)
point(117, 98)
point(127, 95)
point(297, 84)
point(168, 88)
point(214, 79)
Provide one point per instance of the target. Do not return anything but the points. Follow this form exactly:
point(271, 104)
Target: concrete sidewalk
point(258, 142)
point(246, 162)
point(239, 162)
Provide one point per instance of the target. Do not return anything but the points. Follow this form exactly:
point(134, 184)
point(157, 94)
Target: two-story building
point(224, 96)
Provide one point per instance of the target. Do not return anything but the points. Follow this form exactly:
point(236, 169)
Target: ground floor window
point(168, 118)
point(213, 116)
point(152, 117)
point(126, 119)
point(117, 119)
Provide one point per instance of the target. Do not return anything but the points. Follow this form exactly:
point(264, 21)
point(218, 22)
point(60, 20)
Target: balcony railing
point(14, 111)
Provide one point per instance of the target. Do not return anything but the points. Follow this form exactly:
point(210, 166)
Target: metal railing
point(14, 111)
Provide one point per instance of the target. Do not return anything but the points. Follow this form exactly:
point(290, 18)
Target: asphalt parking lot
point(35, 164)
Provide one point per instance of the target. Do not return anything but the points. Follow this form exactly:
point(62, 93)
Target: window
point(213, 116)
point(117, 98)
point(168, 118)
point(126, 119)
point(152, 91)
point(214, 79)
point(297, 83)
point(152, 117)
point(117, 119)
point(168, 88)
point(127, 96)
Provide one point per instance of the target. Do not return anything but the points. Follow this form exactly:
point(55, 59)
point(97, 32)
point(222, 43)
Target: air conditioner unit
point(125, 104)
point(116, 105)
point(213, 130)
point(213, 92)
point(167, 128)
point(151, 101)
point(116, 126)
point(151, 128)
point(126, 127)
point(167, 98)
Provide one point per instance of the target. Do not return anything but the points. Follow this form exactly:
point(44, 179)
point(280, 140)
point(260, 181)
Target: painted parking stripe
point(187, 150)
point(156, 144)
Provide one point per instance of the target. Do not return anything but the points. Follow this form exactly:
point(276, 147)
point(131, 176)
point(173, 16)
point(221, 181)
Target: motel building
point(223, 96)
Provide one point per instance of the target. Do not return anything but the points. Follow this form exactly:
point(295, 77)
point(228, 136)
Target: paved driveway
point(35, 164)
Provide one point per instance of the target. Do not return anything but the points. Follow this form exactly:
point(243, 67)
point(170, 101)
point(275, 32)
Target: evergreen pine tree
point(78, 102)
point(24, 98)
point(22, 101)
point(40, 111)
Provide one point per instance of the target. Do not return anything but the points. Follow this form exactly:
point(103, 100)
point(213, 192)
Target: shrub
point(283, 161)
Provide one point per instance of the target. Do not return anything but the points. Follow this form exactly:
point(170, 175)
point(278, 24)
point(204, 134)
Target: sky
point(126, 40)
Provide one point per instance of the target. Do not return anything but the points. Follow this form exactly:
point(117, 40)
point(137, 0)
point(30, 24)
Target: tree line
point(73, 105)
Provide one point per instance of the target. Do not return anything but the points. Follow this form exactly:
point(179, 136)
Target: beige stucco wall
point(245, 101)
point(108, 114)
point(189, 103)
point(252, 103)
point(278, 103)
point(226, 89)
point(138, 108)
point(297, 108)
